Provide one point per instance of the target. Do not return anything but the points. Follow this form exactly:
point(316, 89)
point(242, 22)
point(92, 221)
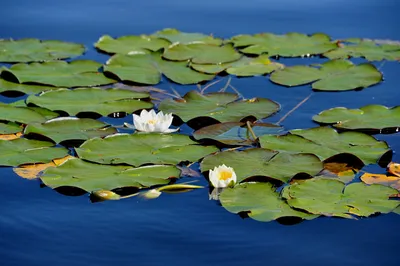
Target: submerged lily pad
point(332, 198)
point(70, 128)
point(258, 162)
point(176, 36)
point(289, 45)
point(147, 69)
point(24, 115)
point(244, 67)
point(30, 50)
point(367, 49)
point(222, 107)
point(78, 73)
point(90, 177)
point(130, 44)
point(138, 149)
point(334, 75)
point(326, 142)
point(201, 53)
point(6, 86)
point(260, 201)
point(101, 101)
point(23, 151)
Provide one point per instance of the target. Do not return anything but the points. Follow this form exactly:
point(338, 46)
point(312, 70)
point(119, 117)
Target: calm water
point(40, 227)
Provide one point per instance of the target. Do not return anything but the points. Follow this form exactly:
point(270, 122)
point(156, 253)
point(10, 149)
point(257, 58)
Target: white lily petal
point(222, 176)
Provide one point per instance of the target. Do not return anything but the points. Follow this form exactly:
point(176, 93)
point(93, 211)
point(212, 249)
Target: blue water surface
point(40, 227)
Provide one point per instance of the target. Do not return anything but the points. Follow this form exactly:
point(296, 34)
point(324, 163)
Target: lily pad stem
point(248, 124)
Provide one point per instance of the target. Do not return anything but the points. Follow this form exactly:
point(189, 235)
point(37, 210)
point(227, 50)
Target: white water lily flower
point(222, 176)
point(152, 122)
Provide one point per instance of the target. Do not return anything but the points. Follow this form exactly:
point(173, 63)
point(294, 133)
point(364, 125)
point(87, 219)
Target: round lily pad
point(90, 177)
point(138, 149)
point(79, 73)
point(24, 115)
point(334, 75)
point(260, 201)
point(176, 36)
point(258, 162)
point(101, 101)
point(30, 50)
point(376, 117)
point(6, 86)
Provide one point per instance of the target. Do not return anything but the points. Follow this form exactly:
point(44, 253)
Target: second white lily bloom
point(152, 122)
point(222, 176)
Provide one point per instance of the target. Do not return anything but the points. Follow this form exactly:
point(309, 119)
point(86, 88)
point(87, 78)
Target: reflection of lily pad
point(246, 66)
point(23, 151)
point(332, 198)
point(101, 101)
point(176, 36)
point(235, 133)
point(24, 115)
point(335, 75)
point(288, 45)
point(30, 50)
point(147, 69)
point(201, 53)
point(59, 73)
point(263, 162)
point(138, 149)
point(90, 176)
point(25, 88)
point(130, 44)
point(260, 200)
point(326, 142)
point(222, 107)
point(69, 128)
point(367, 117)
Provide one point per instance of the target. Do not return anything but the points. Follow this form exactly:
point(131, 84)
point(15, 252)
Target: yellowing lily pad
point(394, 168)
point(130, 44)
point(389, 181)
point(32, 171)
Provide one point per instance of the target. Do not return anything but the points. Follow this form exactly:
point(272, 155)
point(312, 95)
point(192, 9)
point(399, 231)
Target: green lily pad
point(10, 128)
point(79, 73)
point(22, 151)
point(326, 142)
point(90, 177)
point(260, 200)
point(235, 133)
point(262, 162)
point(25, 88)
point(70, 128)
point(138, 149)
point(130, 44)
point(367, 49)
point(334, 75)
point(223, 107)
point(101, 101)
point(147, 69)
point(244, 67)
point(176, 36)
point(289, 45)
point(201, 53)
point(24, 115)
point(30, 50)
point(372, 116)
point(332, 198)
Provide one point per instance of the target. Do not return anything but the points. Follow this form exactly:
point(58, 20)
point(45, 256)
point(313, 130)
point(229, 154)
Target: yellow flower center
point(225, 175)
point(152, 121)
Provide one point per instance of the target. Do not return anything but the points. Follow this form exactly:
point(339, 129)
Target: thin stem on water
point(248, 124)
point(294, 109)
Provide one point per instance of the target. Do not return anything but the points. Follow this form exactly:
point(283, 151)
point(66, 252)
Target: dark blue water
point(40, 227)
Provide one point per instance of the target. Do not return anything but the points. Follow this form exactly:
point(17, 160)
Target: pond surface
point(39, 226)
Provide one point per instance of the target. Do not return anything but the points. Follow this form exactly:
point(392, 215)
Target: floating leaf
point(235, 133)
point(334, 75)
point(139, 149)
point(78, 73)
point(24, 115)
point(176, 36)
point(332, 198)
point(326, 142)
point(377, 117)
point(30, 50)
point(147, 69)
point(24, 151)
point(394, 168)
point(258, 162)
point(260, 200)
point(367, 49)
point(92, 177)
point(9, 128)
point(101, 101)
point(6, 86)
point(389, 181)
point(32, 171)
point(130, 44)
point(201, 53)
point(70, 128)
point(222, 107)
point(11, 136)
point(288, 45)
